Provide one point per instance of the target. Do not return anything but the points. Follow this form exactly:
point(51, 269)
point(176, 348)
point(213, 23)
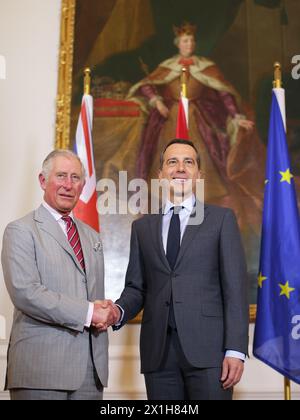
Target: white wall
point(29, 42)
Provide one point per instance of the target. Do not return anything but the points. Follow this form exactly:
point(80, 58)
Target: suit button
point(167, 303)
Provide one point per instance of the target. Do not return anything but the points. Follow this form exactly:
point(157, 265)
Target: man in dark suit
point(191, 282)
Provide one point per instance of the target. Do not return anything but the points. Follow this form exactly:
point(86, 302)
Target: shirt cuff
point(235, 354)
point(89, 315)
point(119, 323)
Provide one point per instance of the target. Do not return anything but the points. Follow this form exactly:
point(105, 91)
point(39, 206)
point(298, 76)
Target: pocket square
point(98, 246)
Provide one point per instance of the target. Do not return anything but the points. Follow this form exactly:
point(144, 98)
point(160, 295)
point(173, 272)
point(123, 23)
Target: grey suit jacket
point(49, 345)
point(208, 285)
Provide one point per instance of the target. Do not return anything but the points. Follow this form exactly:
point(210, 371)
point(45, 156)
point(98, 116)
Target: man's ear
point(160, 174)
point(43, 181)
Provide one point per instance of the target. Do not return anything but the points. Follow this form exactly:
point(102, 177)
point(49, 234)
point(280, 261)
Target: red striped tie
point(74, 240)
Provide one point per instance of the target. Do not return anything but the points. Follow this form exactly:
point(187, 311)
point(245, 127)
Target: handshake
point(105, 314)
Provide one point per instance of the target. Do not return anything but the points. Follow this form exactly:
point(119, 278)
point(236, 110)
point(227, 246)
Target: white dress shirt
point(184, 215)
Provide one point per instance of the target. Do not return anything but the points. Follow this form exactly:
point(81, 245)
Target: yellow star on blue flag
point(261, 279)
point(286, 289)
point(286, 176)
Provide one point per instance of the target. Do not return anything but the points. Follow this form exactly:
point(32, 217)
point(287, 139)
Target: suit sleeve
point(24, 285)
point(133, 295)
point(234, 285)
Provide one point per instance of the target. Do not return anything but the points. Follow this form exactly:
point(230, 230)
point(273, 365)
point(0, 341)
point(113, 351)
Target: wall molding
point(135, 396)
point(2, 67)
point(128, 396)
point(264, 396)
point(122, 352)
point(240, 396)
point(3, 351)
point(4, 395)
point(115, 352)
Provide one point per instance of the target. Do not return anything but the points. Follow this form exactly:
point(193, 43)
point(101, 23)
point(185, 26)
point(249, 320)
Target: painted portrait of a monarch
point(136, 50)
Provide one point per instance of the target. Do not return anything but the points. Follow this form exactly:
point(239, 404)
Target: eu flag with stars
point(277, 329)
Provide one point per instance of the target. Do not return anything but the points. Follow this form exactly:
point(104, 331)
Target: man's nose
point(180, 167)
point(68, 183)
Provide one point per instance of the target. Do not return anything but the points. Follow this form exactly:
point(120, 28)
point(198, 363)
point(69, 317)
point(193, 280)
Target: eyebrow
point(175, 158)
point(66, 173)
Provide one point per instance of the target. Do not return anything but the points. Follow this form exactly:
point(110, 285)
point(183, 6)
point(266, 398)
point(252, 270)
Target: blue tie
point(173, 247)
point(173, 243)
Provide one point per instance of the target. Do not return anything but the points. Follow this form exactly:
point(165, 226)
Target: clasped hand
point(105, 314)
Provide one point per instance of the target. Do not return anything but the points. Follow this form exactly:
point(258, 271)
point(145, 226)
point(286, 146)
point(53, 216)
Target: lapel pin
point(98, 246)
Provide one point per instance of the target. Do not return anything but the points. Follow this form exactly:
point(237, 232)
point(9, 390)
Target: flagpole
point(287, 390)
point(87, 81)
point(277, 84)
point(182, 126)
point(184, 82)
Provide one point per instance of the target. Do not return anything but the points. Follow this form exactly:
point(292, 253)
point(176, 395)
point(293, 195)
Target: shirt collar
point(187, 204)
point(57, 216)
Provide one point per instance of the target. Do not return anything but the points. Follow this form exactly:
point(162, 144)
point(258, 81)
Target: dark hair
point(180, 141)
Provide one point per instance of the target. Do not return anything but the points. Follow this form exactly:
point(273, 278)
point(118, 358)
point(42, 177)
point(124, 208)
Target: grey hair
point(48, 162)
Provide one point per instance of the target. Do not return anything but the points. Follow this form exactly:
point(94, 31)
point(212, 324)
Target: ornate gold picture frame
point(64, 94)
point(66, 63)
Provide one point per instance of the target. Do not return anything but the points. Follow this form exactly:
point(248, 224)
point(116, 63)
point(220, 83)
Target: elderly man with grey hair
point(54, 273)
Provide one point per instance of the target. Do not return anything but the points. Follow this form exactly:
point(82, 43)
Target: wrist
point(156, 99)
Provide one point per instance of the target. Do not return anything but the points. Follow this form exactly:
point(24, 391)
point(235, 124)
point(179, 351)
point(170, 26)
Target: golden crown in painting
point(185, 29)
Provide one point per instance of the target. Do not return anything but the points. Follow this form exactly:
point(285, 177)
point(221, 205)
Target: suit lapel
point(156, 231)
point(88, 255)
point(50, 225)
point(188, 236)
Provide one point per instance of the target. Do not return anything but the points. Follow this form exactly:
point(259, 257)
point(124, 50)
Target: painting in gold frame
point(88, 39)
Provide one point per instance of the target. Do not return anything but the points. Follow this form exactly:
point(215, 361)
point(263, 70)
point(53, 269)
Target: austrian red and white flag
point(182, 128)
point(86, 209)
